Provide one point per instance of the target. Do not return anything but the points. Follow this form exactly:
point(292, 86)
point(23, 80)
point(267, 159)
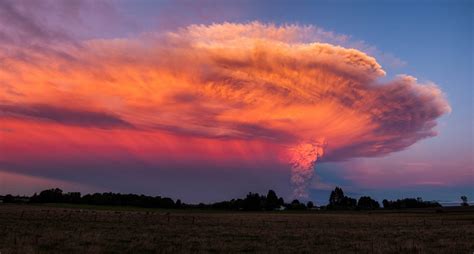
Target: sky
point(209, 100)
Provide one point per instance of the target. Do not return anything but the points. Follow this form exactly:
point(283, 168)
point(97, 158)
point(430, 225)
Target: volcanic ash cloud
point(284, 85)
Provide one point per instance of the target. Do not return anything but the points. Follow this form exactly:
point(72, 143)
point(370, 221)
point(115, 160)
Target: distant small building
point(281, 208)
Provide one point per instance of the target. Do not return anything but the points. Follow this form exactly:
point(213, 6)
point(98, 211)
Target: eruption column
point(303, 159)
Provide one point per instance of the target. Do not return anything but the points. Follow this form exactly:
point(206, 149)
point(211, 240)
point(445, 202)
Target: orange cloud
point(226, 84)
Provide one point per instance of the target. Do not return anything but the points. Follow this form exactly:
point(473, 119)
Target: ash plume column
point(303, 159)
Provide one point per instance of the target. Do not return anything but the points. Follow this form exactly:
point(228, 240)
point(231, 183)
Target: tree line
point(257, 202)
point(339, 201)
point(251, 202)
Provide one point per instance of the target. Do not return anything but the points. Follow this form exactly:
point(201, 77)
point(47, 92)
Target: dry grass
point(43, 229)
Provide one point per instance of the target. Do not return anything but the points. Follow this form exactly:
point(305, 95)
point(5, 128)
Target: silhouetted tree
point(271, 201)
point(366, 202)
point(252, 202)
point(409, 203)
point(336, 197)
point(8, 199)
point(48, 196)
point(166, 203)
point(349, 203)
point(296, 205)
point(464, 201)
point(337, 200)
point(309, 205)
point(178, 204)
point(281, 202)
point(72, 197)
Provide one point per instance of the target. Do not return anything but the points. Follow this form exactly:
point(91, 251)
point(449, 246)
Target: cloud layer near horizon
point(224, 92)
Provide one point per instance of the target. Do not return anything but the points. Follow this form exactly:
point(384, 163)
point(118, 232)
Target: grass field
point(85, 229)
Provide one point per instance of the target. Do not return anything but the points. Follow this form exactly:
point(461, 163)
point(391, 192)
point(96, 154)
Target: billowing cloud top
point(280, 85)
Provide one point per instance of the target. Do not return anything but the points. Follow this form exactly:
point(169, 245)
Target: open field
point(70, 229)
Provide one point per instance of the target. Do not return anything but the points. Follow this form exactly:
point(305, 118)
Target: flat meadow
point(90, 229)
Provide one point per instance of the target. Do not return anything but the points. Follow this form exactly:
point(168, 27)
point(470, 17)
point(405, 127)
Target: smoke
point(242, 91)
point(303, 160)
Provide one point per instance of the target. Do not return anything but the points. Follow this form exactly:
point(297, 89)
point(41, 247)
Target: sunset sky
point(205, 101)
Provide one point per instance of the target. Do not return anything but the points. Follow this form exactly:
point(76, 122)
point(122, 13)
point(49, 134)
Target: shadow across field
point(84, 229)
